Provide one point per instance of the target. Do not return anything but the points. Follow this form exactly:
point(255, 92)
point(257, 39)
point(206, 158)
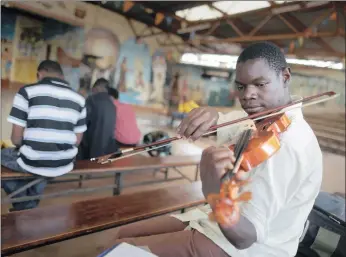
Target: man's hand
point(214, 162)
point(197, 122)
point(213, 166)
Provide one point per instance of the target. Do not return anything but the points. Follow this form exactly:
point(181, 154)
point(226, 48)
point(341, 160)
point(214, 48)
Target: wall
point(55, 31)
point(95, 43)
point(214, 91)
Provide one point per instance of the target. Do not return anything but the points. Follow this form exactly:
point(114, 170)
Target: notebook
point(127, 250)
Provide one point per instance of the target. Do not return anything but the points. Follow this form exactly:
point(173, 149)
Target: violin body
point(264, 144)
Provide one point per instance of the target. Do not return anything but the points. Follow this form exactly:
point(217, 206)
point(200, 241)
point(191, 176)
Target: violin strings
point(220, 128)
point(238, 152)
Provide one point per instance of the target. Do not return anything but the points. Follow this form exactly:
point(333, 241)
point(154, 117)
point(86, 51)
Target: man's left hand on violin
point(214, 164)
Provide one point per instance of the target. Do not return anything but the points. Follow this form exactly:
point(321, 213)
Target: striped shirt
point(52, 114)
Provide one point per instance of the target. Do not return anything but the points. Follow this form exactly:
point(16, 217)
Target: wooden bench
point(117, 168)
point(24, 230)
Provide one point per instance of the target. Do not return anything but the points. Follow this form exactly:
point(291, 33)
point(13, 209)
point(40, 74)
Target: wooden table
point(24, 230)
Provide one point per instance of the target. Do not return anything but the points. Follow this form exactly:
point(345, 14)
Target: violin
point(253, 149)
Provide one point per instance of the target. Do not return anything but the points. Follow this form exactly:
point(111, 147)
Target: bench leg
point(166, 173)
point(30, 184)
point(196, 174)
point(182, 210)
point(80, 181)
point(119, 183)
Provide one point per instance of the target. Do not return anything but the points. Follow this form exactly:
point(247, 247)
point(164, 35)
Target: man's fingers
point(186, 122)
point(222, 165)
point(242, 175)
point(197, 124)
point(201, 130)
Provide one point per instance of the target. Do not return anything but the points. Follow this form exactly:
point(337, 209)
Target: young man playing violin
point(284, 187)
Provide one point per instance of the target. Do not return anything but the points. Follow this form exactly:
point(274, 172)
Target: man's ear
point(286, 75)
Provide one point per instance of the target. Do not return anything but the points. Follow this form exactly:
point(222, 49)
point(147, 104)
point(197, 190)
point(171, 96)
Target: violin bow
point(120, 154)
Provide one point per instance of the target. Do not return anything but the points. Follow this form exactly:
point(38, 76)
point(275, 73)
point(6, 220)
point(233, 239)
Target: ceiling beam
point(268, 37)
point(235, 28)
point(288, 23)
point(260, 25)
point(303, 28)
point(321, 53)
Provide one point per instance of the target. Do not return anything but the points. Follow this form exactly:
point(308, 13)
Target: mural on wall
point(127, 67)
point(8, 24)
point(29, 49)
point(215, 91)
point(100, 57)
point(134, 70)
point(65, 44)
point(159, 78)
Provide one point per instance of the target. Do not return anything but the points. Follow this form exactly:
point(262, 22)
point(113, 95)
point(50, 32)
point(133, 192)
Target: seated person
point(99, 139)
point(126, 130)
point(284, 187)
point(48, 120)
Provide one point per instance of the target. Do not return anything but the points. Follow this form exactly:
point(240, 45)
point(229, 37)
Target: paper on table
point(127, 250)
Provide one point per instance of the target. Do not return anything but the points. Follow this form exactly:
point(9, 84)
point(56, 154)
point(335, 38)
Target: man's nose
point(250, 92)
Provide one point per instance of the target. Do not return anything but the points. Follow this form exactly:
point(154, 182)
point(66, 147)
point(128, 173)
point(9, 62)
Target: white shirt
point(283, 188)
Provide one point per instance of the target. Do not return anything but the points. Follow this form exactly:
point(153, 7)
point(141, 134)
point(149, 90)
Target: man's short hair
point(267, 51)
point(113, 92)
point(101, 83)
point(50, 66)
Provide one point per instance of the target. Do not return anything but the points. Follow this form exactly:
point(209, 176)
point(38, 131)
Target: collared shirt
point(284, 189)
point(51, 113)
point(126, 129)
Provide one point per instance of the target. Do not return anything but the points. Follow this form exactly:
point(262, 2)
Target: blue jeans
point(9, 158)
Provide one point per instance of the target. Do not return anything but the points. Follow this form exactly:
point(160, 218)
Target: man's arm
point(18, 116)
point(17, 135)
point(79, 138)
point(242, 235)
point(81, 126)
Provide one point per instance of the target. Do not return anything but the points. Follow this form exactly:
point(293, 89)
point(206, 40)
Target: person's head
point(113, 93)
point(262, 77)
point(100, 86)
point(49, 68)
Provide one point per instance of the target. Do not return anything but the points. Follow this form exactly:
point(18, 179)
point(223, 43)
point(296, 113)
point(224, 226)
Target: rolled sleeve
point(20, 108)
point(81, 123)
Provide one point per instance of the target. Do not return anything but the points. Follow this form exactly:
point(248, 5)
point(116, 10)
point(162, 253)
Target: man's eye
point(261, 84)
point(240, 87)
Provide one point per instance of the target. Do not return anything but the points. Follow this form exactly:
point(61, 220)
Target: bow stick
point(261, 115)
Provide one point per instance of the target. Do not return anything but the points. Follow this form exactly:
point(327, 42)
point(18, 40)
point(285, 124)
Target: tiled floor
point(334, 180)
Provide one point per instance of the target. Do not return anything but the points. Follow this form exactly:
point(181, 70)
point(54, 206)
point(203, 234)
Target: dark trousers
point(9, 158)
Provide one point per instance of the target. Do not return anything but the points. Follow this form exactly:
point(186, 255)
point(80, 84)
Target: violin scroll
point(226, 204)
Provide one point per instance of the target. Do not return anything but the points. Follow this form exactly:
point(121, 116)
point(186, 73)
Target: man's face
point(260, 87)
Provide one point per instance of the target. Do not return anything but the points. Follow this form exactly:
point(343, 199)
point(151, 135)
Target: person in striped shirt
point(48, 120)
